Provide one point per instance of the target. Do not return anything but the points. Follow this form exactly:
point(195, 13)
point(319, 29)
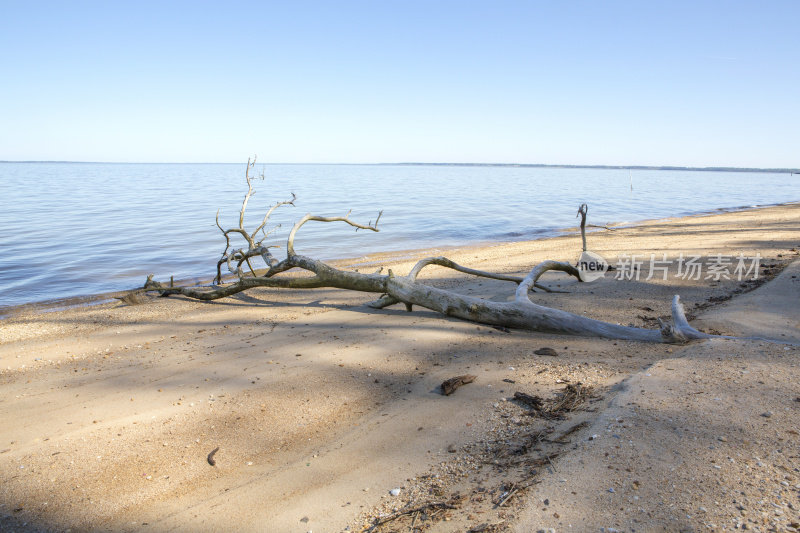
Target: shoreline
point(327, 415)
point(376, 258)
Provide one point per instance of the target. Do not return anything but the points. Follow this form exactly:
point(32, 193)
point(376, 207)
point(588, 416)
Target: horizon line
point(451, 164)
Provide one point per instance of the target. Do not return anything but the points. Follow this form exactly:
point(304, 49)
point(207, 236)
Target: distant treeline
point(614, 167)
point(512, 165)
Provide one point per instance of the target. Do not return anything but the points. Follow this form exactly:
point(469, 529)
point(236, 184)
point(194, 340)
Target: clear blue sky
point(678, 83)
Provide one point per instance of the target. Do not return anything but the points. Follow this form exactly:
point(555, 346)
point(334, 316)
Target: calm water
point(73, 229)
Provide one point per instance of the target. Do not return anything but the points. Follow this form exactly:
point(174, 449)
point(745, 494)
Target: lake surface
point(75, 229)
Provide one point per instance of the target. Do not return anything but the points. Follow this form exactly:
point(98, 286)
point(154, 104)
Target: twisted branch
point(308, 217)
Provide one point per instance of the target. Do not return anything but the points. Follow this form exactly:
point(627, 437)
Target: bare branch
point(255, 247)
point(447, 263)
point(536, 273)
point(269, 212)
point(215, 293)
point(582, 210)
point(249, 192)
point(600, 226)
point(306, 218)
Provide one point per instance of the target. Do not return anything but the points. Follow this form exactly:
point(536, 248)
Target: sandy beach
point(325, 415)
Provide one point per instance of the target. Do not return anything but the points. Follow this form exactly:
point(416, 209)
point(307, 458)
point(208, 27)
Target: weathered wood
point(449, 386)
point(582, 210)
point(520, 313)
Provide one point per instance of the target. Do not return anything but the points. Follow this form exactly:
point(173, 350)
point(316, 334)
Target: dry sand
point(320, 406)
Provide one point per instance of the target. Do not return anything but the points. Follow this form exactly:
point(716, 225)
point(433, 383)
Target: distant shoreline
point(418, 164)
point(607, 167)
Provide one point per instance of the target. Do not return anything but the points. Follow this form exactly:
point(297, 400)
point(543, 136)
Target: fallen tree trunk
point(520, 313)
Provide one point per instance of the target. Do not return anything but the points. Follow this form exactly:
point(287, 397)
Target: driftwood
point(449, 386)
point(520, 313)
point(582, 210)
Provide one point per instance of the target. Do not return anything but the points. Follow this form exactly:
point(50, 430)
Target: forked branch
point(255, 246)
